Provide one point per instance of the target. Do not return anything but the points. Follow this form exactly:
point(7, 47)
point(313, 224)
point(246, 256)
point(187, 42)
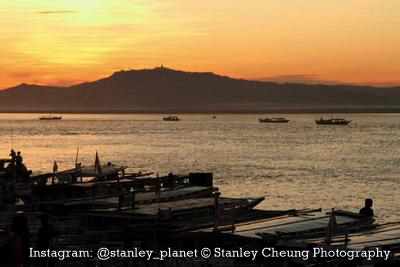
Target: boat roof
point(376, 238)
point(380, 236)
point(292, 223)
point(141, 196)
point(144, 179)
point(185, 205)
point(90, 171)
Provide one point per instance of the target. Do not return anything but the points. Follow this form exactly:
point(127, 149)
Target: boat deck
point(184, 207)
point(294, 225)
point(146, 197)
point(381, 236)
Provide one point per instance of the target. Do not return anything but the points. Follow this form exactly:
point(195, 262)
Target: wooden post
point(346, 238)
point(119, 186)
point(133, 199)
point(331, 227)
point(216, 210)
point(119, 202)
point(158, 192)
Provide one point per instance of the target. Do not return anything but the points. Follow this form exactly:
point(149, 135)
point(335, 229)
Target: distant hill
point(163, 89)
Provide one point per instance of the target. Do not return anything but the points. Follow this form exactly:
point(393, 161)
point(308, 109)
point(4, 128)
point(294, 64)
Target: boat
point(143, 197)
point(301, 224)
point(171, 118)
point(168, 211)
point(332, 121)
point(274, 120)
point(49, 117)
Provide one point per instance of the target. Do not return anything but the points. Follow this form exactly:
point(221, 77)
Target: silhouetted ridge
point(162, 88)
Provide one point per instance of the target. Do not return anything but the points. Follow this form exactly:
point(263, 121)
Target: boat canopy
point(91, 171)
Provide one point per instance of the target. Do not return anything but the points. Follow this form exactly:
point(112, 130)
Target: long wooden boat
point(50, 118)
point(274, 120)
point(282, 232)
point(60, 193)
point(168, 211)
point(378, 237)
point(149, 197)
point(332, 121)
point(294, 226)
point(171, 118)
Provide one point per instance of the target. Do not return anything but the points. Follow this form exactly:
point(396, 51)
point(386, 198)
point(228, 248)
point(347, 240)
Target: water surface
point(294, 165)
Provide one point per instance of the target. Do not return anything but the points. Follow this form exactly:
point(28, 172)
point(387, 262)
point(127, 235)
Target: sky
point(64, 42)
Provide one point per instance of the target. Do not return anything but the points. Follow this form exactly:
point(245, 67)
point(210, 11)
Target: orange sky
point(62, 42)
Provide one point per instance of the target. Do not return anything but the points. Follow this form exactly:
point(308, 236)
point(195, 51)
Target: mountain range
point(165, 90)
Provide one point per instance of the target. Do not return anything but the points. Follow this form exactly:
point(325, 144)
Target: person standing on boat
point(367, 211)
point(18, 158)
point(13, 156)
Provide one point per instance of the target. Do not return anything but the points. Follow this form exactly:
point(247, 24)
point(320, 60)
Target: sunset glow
point(65, 42)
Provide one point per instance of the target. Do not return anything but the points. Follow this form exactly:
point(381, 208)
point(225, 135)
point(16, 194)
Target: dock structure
point(105, 206)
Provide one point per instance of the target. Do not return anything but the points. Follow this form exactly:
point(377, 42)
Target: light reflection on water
point(294, 165)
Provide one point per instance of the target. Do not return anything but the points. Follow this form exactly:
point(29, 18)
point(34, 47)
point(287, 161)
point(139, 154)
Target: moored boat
point(49, 117)
point(274, 120)
point(332, 121)
point(171, 118)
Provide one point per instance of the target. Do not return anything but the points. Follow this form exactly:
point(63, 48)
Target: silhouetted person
point(15, 249)
point(18, 158)
point(45, 238)
point(13, 156)
point(367, 211)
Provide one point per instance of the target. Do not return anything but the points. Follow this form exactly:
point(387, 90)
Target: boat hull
point(332, 123)
point(272, 121)
point(171, 118)
point(50, 119)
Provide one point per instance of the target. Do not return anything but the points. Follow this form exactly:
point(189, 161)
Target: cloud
point(22, 74)
point(297, 78)
point(49, 12)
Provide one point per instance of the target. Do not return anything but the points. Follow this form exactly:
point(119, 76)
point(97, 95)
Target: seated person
point(367, 211)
